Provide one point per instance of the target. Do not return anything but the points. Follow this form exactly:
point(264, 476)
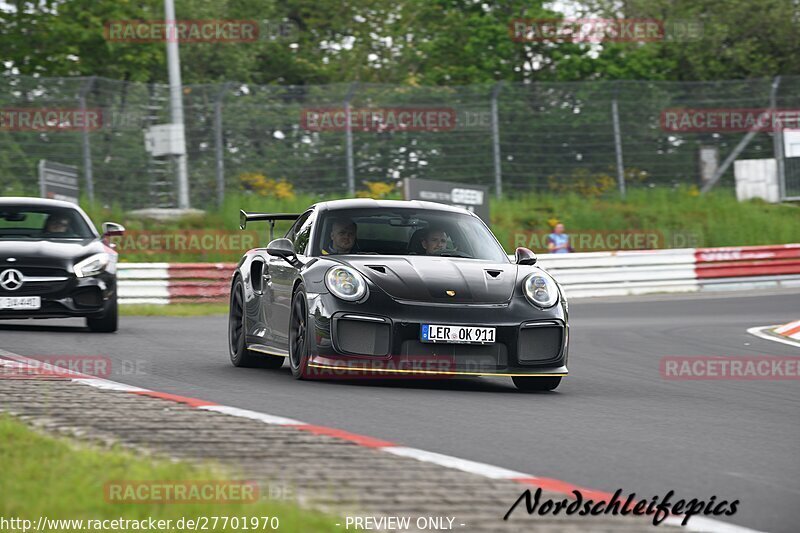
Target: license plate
point(20, 302)
point(457, 334)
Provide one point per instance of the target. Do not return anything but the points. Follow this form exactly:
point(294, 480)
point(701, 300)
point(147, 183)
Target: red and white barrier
point(790, 330)
point(583, 275)
point(165, 283)
point(625, 273)
point(591, 274)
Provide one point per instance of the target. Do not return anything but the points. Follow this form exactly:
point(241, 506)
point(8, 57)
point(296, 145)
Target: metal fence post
point(618, 143)
point(777, 140)
point(744, 142)
point(85, 145)
point(351, 175)
point(498, 173)
point(176, 103)
point(40, 167)
point(218, 140)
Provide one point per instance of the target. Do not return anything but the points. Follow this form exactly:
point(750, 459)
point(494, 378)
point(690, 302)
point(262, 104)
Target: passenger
point(343, 237)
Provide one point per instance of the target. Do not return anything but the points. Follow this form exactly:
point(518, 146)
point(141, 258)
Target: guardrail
point(626, 273)
point(165, 283)
point(583, 275)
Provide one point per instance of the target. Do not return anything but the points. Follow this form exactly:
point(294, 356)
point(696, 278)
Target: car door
point(281, 276)
point(256, 308)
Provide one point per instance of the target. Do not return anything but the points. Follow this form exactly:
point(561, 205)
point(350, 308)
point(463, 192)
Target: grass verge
point(43, 476)
point(680, 216)
point(179, 309)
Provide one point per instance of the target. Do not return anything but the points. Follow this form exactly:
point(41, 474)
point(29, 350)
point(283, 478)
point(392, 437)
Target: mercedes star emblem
point(11, 279)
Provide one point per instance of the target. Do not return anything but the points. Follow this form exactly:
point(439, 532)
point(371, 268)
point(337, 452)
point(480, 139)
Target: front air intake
point(540, 343)
point(362, 337)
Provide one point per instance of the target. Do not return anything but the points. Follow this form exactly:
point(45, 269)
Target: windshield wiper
point(455, 254)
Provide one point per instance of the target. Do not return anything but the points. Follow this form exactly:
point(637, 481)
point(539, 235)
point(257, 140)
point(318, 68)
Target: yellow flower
point(376, 189)
point(263, 186)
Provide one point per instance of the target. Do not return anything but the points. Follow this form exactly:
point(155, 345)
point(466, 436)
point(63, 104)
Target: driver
point(343, 237)
point(434, 241)
point(58, 224)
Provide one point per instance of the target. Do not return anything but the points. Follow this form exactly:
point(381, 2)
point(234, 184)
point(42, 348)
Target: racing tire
point(109, 322)
point(240, 355)
point(298, 335)
point(536, 384)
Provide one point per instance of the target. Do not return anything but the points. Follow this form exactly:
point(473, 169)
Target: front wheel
point(109, 322)
point(537, 384)
point(298, 335)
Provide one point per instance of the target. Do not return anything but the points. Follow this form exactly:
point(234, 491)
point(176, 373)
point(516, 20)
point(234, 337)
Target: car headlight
point(92, 265)
point(541, 290)
point(346, 283)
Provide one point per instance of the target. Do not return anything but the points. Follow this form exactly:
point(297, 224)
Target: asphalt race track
point(614, 423)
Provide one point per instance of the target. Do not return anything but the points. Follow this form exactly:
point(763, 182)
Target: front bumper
point(381, 337)
point(75, 297)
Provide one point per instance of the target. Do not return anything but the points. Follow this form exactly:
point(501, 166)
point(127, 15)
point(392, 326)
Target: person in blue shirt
point(558, 241)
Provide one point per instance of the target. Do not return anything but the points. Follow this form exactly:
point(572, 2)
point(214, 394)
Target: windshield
point(406, 232)
point(42, 223)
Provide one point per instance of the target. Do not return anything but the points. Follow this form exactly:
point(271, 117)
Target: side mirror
point(112, 229)
point(283, 248)
point(524, 256)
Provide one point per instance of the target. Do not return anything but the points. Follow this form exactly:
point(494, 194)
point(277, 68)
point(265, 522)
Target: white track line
point(454, 463)
point(105, 384)
point(701, 523)
point(696, 523)
point(759, 332)
point(252, 415)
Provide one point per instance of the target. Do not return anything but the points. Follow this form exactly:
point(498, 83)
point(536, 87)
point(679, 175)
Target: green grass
point(681, 216)
point(178, 309)
point(218, 220)
point(62, 479)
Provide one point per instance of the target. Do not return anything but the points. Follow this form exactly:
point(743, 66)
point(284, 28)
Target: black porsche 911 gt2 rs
point(54, 264)
point(402, 288)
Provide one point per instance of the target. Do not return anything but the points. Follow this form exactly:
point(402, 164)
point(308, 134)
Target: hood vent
point(378, 268)
point(494, 273)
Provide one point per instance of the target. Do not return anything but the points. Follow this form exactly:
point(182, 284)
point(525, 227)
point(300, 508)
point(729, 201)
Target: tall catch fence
point(607, 137)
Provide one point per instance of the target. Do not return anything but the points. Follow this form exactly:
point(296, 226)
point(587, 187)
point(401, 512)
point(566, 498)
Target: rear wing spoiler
point(245, 217)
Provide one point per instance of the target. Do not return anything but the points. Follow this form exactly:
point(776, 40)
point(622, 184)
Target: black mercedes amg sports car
point(54, 264)
point(402, 288)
